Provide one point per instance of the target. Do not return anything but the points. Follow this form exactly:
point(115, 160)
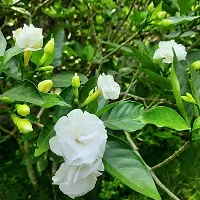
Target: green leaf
point(195, 84)
point(181, 86)
point(105, 109)
point(124, 116)
point(158, 79)
point(45, 135)
point(65, 79)
point(180, 19)
point(3, 44)
point(29, 159)
point(68, 95)
point(88, 86)
point(126, 166)
point(185, 5)
point(196, 124)
point(59, 37)
point(52, 100)
point(156, 11)
point(88, 52)
point(42, 164)
point(164, 117)
point(25, 91)
point(9, 54)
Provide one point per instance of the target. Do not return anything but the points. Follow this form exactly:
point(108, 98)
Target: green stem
point(91, 98)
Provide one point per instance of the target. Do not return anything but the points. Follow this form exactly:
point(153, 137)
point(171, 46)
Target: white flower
point(80, 138)
point(29, 38)
point(109, 88)
point(165, 51)
point(76, 181)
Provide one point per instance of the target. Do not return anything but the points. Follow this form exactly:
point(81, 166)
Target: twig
point(40, 113)
point(151, 104)
point(172, 157)
point(157, 181)
point(121, 24)
point(121, 45)
point(129, 87)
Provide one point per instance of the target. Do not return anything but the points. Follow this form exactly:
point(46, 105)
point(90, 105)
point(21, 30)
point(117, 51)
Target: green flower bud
point(7, 100)
point(165, 22)
point(45, 86)
point(49, 47)
point(47, 68)
point(150, 7)
point(76, 81)
point(196, 65)
point(99, 19)
point(22, 110)
point(24, 126)
point(15, 119)
point(189, 98)
point(161, 14)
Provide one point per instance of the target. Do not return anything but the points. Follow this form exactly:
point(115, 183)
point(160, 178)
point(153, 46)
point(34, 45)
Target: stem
point(157, 181)
point(91, 98)
point(121, 24)
point(172, 157)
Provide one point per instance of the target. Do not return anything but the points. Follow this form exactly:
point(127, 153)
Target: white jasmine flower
point(80, 138)
point(109, 88)
point(165, 51)
point(76, 181)
point(29, 38)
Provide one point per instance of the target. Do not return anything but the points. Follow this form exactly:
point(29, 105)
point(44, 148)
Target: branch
point(157, 181)
point(121, 24)
point(172, 157)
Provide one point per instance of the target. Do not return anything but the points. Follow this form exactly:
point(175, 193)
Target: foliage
point(118, 38)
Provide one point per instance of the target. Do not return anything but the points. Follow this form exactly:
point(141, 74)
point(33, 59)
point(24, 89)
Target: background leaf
point(3, 44)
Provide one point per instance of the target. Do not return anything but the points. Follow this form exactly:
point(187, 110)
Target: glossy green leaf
point(25, 91)
point(65, 79)
point(195, 83)
point(3, 44)
point(164, 117)
point(196, 124)
point(53, 100)
point(45, 135)
point(126, 166)
point(106, 108)
point(88, 86)
point(181, 86)
point(124, 116)
point(158, 79)
point(68, 95)
point(181, 19)
point(185, 5)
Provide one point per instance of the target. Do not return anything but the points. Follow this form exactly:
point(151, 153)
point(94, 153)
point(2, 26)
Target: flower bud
point(47, 68)
point(24, 126)
point(161, 14)
point(49, 47)
point(99, 19)
point(45, 86)
point(15, 119)
point(150, 7)
point(189, 98)
point(165, 22)
point(76, 81)
point(196, 65)
point(22, 110)
point(7, 100)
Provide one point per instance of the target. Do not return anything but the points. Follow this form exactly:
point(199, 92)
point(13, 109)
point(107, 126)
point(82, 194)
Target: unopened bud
point(161, 14)
point(189, 98)
point(165, 22)
point(24, 126)
point(7, 100)
point(45, 86)
point(49, 47)
point(76, 81)
point(99, 19)
point(150, 7)
point(22, 110)
point(196, 65)
point(47, 68)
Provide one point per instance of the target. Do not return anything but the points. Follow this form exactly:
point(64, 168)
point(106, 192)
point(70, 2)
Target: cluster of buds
point(189, 98)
